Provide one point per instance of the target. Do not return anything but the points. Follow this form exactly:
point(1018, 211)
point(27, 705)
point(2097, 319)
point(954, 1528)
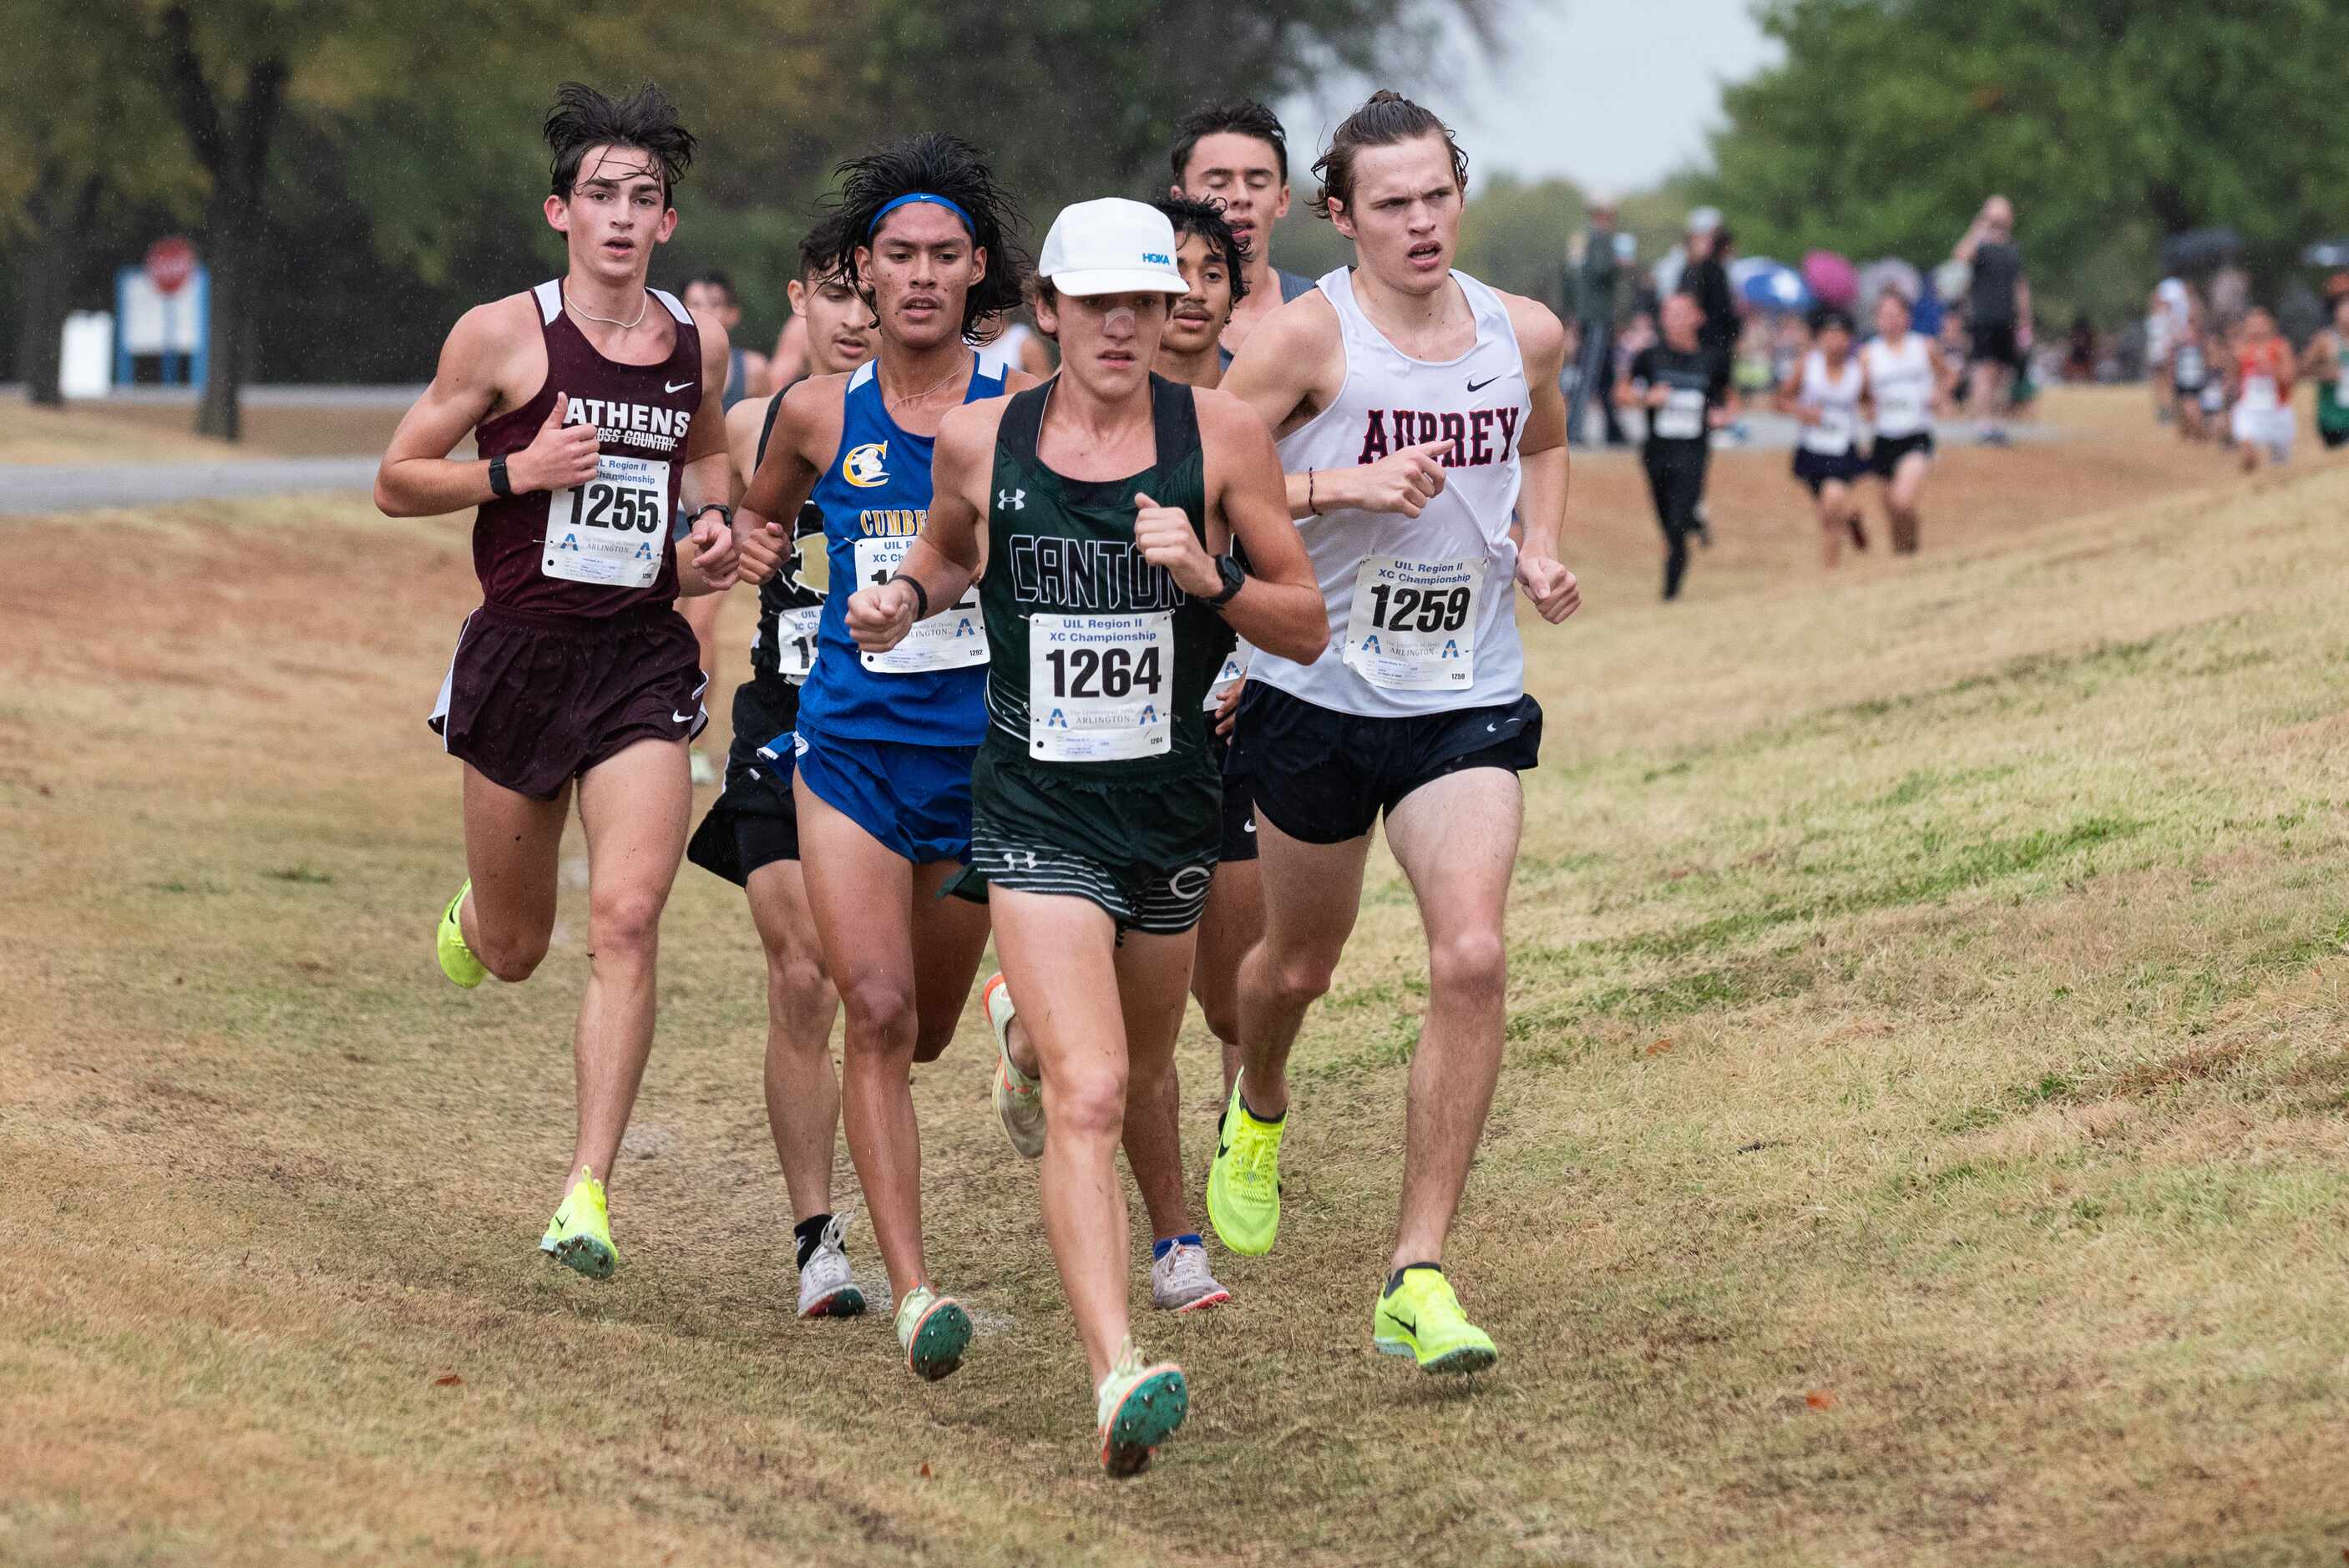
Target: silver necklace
point(575, 307)
point(914, 397)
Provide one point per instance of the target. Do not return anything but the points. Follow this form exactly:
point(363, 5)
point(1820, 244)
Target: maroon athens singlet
point(600, 549)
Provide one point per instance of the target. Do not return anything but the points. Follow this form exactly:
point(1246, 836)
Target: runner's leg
point(513, 844)
point(636, 808)
point(1457, 839)
point(1903, 496)
point(1312, 894)
point(1084, 993)
point(802, 1094)
point(1233, 923)
point(860, 897)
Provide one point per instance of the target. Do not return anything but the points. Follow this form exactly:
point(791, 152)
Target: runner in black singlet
point(750, 836)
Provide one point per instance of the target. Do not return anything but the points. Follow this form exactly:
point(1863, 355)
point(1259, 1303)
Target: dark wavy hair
point(1206, 218)
point(940, 165)
point(1244, 117)
point(819, 250)
point(1387, 119)
point(583, 118)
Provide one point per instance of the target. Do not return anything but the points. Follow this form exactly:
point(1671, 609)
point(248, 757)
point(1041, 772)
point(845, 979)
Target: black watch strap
point(1234, 577)
point(499, 485)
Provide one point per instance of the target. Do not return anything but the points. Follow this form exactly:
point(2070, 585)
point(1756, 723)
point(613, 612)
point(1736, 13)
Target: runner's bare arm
point(1279, 608)
point(743, 425)
point(1290, 368)
point(707, 557)
point(946, 559)
point(809, 421)
point(417, 478)
point(1541, 496)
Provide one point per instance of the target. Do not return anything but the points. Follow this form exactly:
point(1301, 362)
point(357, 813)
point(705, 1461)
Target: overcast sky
point(1613, 94)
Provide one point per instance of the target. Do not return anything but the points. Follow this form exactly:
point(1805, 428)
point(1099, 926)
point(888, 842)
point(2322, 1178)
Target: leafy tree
point(2112, 123)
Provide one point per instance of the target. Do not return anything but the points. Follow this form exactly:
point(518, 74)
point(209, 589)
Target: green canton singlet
point(2332, 407)
point(1096, 696)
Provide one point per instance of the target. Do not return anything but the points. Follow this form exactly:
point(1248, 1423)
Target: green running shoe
point(456, 960)
point(935, 1331)
point(1244, 1185)
point(1419, 1317)
point(1137, 1408)
point(580, 1234)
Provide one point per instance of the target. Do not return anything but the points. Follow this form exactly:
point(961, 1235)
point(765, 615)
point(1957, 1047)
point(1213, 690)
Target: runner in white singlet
point(1824, 398)
point(1424, 433)
point(1907, 378)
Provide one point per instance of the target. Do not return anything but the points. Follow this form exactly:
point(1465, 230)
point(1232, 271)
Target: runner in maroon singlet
point(587, 399)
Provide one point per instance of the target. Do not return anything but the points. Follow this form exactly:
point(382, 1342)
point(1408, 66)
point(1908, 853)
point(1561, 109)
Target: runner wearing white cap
point(1107, 502)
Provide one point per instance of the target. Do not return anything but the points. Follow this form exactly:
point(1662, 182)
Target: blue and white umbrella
point(1771, 286)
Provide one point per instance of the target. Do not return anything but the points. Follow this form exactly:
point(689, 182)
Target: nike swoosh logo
point(1409, 1325)
point(681, 386)
point(1480, 386)
point(681, 718)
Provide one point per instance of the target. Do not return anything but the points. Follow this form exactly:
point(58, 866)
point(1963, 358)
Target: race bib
point(1235, 671)
point(613, 530)
point(1898, 409)
point(1413, 623)
point(795, 642)
point(951, 639)
point(1831, 437)
point(2189, 364)
point(2260, 394)
point(1100, 686)
point(1681, 419)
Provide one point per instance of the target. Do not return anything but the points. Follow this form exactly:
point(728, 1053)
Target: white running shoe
point(1019, 1098)
point(827, 1289)
point(1180, 1282)
point(1136, 1407)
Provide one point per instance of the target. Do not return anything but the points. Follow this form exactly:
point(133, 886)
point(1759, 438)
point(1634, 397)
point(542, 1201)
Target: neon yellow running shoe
point(580, 1234)
point(935, 1331)
point(1136, 1408)
point(456, 960)
point(1244, 1185)
point(1419, 1317)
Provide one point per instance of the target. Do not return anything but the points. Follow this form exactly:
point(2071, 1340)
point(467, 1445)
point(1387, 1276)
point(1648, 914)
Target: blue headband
point(912, 196)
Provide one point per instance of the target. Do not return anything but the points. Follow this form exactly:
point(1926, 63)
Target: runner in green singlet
point(2327, 361)
point(1110, 499)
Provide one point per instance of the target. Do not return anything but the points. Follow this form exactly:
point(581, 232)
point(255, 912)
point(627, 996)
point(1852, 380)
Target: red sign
point(170, 263)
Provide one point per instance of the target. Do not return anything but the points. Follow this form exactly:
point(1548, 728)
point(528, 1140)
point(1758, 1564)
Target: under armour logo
point(1011, 500)
point(1021, 860)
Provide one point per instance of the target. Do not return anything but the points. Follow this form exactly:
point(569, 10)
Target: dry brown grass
point(110, 432)
point(1923, 1139)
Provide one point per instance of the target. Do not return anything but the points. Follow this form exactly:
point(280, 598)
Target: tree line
point(356, 172)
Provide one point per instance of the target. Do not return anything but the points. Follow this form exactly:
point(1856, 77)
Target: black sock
point(809, 1231)
point(1396, 1278)
point(1268, 1120)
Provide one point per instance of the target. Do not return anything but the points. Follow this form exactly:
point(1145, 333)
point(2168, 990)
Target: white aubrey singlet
point(1901, 380)
point(1423, 617)
point(1837, 398)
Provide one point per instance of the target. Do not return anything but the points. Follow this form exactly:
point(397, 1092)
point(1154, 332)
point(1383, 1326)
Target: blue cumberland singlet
point(875, 496)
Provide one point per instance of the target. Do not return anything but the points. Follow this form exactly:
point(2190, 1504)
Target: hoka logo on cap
point(1157, 259)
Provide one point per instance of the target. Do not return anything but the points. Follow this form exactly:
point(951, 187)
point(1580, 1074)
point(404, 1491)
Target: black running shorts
point(755, 821)
point(1323, 777)
point(1885, 455)
point(1239, 805)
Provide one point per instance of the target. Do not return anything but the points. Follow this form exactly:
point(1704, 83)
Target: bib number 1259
point(1412, 626)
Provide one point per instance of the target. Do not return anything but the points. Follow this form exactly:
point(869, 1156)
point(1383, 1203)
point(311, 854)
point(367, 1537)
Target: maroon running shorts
point(533, 701)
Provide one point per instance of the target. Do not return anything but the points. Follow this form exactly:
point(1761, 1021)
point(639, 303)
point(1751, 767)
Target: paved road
point(32, 487)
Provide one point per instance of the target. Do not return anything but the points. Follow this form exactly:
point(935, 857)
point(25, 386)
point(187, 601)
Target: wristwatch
point(1233, 577)
point(499, 485)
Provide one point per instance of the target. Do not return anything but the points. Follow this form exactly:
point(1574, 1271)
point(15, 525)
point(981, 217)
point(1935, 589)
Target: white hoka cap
point(1112, 246)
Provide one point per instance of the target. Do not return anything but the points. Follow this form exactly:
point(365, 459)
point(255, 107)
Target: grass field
point(121, 432)
point(1925, 1138)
